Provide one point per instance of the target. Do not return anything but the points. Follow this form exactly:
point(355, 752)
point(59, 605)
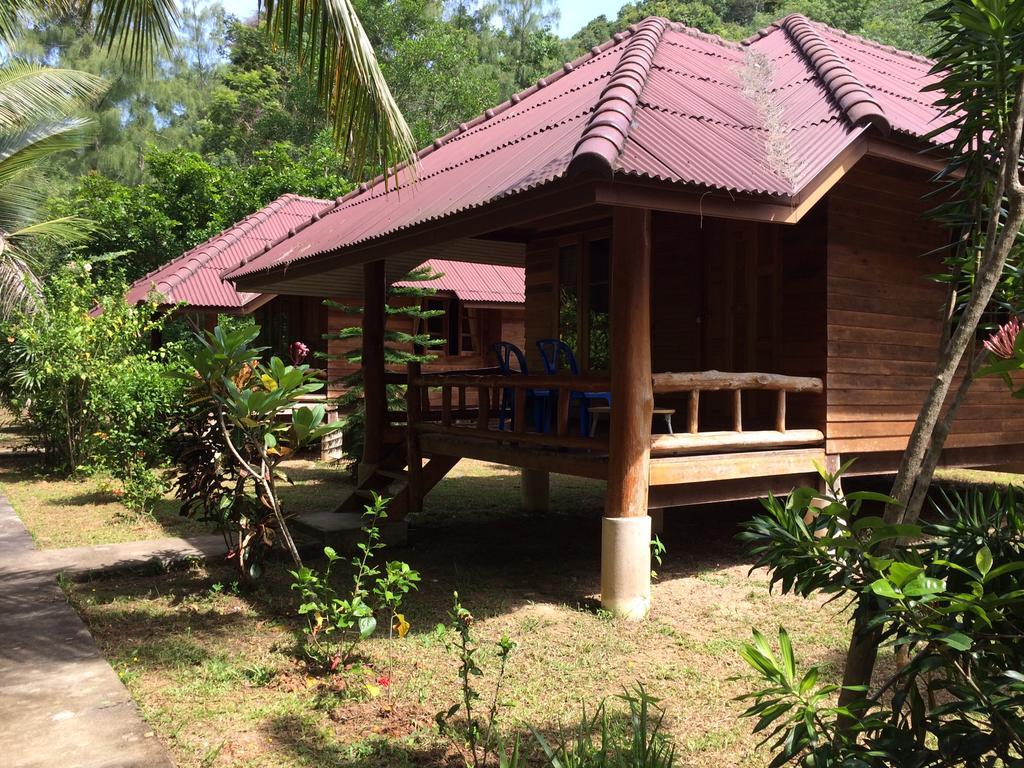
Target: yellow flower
point(401, 625)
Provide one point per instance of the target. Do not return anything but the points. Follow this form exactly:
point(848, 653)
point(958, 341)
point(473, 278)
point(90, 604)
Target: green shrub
point(79, 374)
point(946, 592)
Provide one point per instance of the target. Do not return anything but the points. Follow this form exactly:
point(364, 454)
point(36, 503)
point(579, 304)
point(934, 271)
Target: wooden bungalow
point(729, 231)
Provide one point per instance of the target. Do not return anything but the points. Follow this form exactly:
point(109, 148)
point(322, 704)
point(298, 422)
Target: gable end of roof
point(604, 138)
point(851, 94)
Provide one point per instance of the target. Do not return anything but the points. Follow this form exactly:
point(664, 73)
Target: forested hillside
point(226, 122)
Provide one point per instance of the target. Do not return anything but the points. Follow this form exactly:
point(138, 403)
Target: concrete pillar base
point(626, 566)
point(536, 486)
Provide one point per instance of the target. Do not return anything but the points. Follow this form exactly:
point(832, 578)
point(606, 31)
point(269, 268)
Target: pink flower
point(383, 681)
point(298, 351)
point(1003, 342)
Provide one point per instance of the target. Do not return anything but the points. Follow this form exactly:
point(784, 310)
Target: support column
point(626, 528)
point(536, 491)
point(374, 390)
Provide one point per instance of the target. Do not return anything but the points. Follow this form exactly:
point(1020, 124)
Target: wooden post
point(414, 415)
point(483, 419)
point(626, 530)
point(693, 420)
point(519, 415)
point(737, 410)
point(374, 388)
point(780, 411)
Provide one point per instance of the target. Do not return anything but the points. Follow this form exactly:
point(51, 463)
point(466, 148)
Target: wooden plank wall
point(884, 320)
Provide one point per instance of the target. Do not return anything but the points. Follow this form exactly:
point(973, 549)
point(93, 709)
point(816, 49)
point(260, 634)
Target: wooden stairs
point(390, 479)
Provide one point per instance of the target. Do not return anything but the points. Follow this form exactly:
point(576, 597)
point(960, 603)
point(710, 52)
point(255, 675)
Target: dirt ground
point(219, 676)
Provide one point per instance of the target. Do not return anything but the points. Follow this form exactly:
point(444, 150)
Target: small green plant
point(596, 743)
point(657, 554)
point(480, 734)
point(335, 625)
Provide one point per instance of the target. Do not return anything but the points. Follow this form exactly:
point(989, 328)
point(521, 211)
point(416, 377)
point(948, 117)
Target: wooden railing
point(717, 381)
point(457, 417)
point(489, 389)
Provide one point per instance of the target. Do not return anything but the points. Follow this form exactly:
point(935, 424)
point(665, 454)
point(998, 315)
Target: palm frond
point(138, 30)
point(14, 14)
point(66, 230)
point(29, 92)
point(334, 49)
point(19, 286)
point(21, 150)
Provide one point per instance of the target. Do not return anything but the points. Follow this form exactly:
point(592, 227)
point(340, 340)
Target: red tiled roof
point(660, 101)
point(485, 283)
point(195, 276)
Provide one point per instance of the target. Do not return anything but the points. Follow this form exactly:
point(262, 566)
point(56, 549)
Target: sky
point(574, 13)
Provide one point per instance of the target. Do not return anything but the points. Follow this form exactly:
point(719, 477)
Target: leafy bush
point(244, 419)
point(947, 592)
point(80, 375)
point(335, 624)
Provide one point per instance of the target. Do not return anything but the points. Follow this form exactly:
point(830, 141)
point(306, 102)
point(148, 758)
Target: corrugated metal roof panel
point(195, 277)
point(763, 117)
point(485, 283)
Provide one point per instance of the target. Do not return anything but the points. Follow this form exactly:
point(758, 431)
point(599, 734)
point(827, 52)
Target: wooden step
point(343, 531)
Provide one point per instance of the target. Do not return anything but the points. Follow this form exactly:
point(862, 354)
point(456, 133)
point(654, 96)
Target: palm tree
point(37, 103)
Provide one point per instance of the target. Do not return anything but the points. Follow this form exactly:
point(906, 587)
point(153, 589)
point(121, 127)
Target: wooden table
point(597, 410)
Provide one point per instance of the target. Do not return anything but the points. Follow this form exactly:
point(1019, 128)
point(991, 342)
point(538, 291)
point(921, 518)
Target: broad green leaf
point(883, 588)
point(984, 560)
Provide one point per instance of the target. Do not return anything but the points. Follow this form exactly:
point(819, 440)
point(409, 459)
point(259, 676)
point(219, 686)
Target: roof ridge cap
point(708, 37)
point(920, 59)
point(604, 136)
point(857, 102)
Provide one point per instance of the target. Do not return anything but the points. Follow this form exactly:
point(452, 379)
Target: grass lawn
point(219, 677)
point(61, 512)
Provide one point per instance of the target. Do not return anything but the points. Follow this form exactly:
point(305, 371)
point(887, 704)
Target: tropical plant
point(946, 592)
point(245, 418)
point(367, 122)
point(479, 733)
point(334, 49)
point(335, 625)
point(37, 107)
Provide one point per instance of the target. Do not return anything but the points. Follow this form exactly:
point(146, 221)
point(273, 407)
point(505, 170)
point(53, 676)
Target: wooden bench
point(718, 442)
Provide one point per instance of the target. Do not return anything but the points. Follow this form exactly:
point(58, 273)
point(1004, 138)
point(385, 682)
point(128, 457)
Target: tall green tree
point(980, 60)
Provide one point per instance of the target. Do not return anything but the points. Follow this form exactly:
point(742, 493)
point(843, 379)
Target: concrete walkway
point(61, 704)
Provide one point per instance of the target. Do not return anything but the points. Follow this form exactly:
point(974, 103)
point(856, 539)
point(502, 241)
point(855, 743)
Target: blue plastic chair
point(554, 352)
point(506, 351)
